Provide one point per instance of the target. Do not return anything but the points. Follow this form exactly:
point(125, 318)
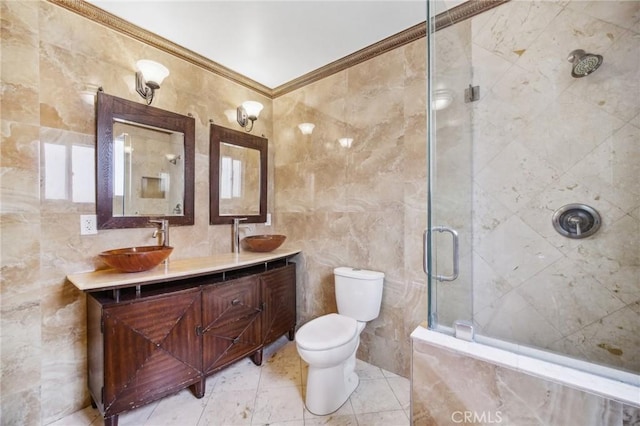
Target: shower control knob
point(576, 221)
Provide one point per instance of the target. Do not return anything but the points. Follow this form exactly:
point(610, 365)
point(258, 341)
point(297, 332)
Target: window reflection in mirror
point(148, 171)
point(238, 176)
point(239, 180)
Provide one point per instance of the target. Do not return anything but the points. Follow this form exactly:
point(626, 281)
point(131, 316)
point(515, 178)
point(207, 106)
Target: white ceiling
point(271, 42)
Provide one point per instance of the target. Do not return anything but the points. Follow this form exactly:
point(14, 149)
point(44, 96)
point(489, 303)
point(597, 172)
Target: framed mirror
point(145, 164)
point(238, 176)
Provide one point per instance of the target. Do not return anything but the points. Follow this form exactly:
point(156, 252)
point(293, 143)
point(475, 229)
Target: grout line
point(255, 396)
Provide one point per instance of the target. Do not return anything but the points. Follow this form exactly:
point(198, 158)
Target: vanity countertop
point(182, 268)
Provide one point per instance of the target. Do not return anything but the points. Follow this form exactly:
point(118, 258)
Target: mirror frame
point(110, 108)
point(218, 135)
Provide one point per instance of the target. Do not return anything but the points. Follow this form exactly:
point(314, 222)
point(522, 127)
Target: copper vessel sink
point(136, 259)
point(262, 243)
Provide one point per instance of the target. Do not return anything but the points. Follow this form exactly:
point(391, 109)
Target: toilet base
point(329, 388)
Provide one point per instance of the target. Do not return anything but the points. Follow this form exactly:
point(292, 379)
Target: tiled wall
point(542, 139)
point(363, 206)
point(49, 56)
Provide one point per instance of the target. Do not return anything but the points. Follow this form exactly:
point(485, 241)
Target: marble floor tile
point(384, 418)
point(272, 394)
point(372, 396)
point(228, 407)
point(277, 406)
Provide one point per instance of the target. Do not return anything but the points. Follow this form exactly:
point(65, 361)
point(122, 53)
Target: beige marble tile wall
point(450, 388)
point(363, 205)
point(49, 56)
point(542, 139)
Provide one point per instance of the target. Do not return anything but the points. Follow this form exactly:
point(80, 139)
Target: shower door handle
point(456, 252)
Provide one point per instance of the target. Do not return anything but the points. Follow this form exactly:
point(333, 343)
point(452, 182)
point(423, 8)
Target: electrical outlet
point(268, 222)
point(88, 224)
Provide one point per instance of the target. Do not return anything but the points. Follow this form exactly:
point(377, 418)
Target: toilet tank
point(358, 292)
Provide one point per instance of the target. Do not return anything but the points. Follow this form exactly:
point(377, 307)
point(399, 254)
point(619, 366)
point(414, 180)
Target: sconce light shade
point(253, 108)
point(88, 95)
point(149, 78)
point(248, 111)
point(172, 158)
point(306, 128)
point(441, 99)
point(345, 142)
point(152, 72)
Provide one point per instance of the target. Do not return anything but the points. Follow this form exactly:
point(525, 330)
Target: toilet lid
point(326, 332)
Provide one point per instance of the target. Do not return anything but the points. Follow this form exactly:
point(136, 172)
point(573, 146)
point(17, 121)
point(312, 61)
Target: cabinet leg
point(197, 389)
point(292, 333)
point(111, 421)
point(257, 357)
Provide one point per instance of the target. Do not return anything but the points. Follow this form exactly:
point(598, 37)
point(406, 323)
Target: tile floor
point(273, 394)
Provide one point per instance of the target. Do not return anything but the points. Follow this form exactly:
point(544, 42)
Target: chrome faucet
point(236, 233)
point(162, 231)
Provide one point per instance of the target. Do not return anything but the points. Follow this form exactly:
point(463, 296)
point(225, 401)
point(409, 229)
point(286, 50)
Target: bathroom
point(315, 186)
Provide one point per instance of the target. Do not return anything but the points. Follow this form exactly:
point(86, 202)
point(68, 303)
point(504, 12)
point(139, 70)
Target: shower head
point(583, 63)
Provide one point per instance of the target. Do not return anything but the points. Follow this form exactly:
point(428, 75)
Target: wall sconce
point(149, 78)
point(89, 93)
point(441, 99)
point(173, 158)
point(345, 142)
point(306, 128)
point(248, 111)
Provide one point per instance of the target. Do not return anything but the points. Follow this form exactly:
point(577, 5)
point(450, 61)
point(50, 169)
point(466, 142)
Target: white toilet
point(329, 343)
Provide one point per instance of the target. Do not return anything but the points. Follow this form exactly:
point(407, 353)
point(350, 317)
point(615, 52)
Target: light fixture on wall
point(345, 142)
point(89, 93)
point(149, 77)
point(248, 111)
point(306, 128)
point(173, 158)
point(442, 98)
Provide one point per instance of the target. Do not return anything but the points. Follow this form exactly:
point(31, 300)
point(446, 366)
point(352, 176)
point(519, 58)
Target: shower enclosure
point(515, 138)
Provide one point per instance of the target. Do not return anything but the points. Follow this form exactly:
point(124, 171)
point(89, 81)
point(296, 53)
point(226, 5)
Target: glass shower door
point(448, 237)
point(538, 142)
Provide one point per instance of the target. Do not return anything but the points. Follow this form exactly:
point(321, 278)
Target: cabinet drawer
point(231, 322)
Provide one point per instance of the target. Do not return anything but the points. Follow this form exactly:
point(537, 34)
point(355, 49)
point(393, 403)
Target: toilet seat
point(327, 332)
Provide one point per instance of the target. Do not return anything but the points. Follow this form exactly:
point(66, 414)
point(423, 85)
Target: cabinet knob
point(235, 302)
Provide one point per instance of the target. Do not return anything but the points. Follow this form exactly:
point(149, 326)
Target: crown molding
point(454, 15)
point(464, 11)
point(94, 13)
point(388, 44)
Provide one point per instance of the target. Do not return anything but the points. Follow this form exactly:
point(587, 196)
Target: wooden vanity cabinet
point(154, 342)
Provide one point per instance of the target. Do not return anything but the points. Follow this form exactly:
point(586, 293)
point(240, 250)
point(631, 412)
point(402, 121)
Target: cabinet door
point(279, 290)
point(151, 349)
point(231, 317)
